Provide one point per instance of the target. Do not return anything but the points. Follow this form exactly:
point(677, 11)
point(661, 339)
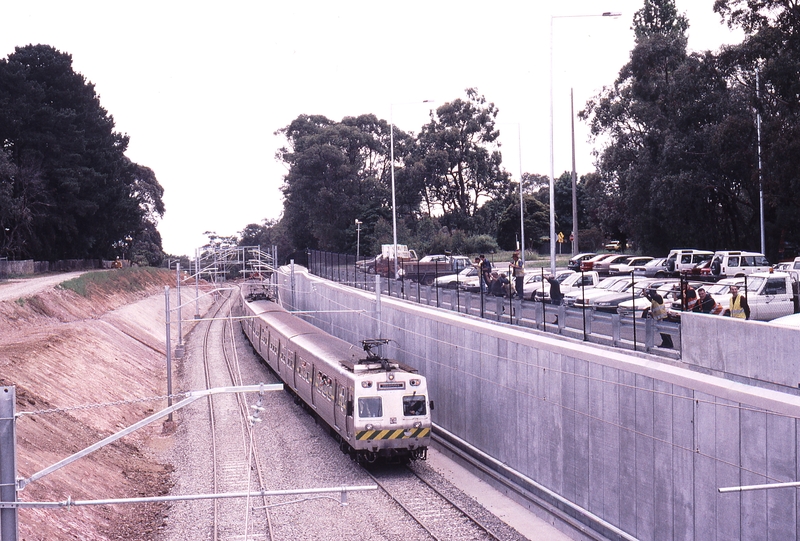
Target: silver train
point(377, 409)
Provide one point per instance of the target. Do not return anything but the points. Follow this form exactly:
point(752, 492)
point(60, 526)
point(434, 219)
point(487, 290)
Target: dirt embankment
point(95, 339)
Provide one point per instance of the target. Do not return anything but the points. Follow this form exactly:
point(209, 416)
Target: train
point(378, 409)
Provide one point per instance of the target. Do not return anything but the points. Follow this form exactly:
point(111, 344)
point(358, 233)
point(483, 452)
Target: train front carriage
point(391, 411)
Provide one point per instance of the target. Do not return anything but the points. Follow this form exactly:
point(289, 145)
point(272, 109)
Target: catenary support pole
point(9, 518)
point(169, 352)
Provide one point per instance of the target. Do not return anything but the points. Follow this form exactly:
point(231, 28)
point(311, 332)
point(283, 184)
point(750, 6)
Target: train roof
point(321, 344)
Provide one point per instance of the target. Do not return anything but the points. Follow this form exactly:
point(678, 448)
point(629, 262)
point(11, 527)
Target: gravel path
point(16, 288)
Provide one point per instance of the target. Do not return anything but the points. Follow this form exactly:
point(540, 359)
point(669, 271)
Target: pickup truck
point(769, 294)
point(431, 267)
point(384, 263)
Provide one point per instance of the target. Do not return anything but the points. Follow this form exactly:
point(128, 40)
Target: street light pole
point(552, 143)
point(391, 158)
point(358, 238)
point(574, 236)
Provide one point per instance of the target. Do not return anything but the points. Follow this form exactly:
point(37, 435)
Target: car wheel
point(715, 268)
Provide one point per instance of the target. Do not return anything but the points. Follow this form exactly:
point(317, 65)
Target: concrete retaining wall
point(644, 444)
point(750, 351)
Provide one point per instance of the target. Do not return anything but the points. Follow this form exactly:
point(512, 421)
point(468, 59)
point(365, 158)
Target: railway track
point(235, 462)
point(439, 515)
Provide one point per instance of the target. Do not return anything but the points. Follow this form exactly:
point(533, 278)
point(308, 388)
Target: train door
point(342, 415)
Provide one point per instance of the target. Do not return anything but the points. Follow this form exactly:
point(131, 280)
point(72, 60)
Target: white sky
point(201, 88)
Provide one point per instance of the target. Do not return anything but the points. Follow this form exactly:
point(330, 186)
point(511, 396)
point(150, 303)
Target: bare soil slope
point(96, 339)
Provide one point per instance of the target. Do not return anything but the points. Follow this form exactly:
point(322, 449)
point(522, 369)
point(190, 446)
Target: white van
point(727, 264)
point(683, 261)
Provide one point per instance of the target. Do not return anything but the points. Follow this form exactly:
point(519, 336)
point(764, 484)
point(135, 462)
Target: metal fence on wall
point(585, 324)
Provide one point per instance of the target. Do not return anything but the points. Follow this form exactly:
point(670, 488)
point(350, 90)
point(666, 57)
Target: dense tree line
point(67, 190)
point(678, 165)
point(681, 167)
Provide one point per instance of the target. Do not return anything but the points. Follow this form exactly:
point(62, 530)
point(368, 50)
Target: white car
point(627, 266)
point(613, 284)
point(792, 321)
point(641, 304)
point(452, 281)
point(574, 282)
point(533, 282)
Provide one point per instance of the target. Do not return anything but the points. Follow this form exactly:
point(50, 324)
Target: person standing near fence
point(518, 271)
point(738, 304)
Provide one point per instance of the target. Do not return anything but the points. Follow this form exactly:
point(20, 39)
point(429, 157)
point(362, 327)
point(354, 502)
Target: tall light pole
point(358, 238)
point(391, 158)
point(552, 144)
point(574, 237)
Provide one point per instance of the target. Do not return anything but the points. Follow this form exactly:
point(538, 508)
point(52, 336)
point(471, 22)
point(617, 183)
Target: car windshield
point(655, 263)
point(606, 283)
point(754, 284)
point(620, 286)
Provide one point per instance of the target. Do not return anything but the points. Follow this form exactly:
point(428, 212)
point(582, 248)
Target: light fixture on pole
point(358, 238)
point(552, 144)
point(391, 159)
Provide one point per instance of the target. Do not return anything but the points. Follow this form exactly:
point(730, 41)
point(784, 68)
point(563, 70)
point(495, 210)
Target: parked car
point(769, 294)
point(628, 265)
point(574, 282)
point(575, 261)
point(588, 264)
point(612, 284)
point(571, 296)
point(614, 246)
point(430, 267)
point(640, 305)
point(655, 268)
point(728, 263)
point(452, 281)
point(604, 265)
point(792, 321)
point(533, 282)
point(682, 261)
point(611, 301)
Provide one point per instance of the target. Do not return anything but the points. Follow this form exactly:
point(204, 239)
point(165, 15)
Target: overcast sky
point(201, 88)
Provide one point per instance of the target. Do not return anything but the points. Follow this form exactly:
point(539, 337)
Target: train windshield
point(370, 406)
point(414, 405)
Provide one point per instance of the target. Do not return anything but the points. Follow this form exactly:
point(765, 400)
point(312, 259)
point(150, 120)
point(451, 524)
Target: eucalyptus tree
point(677, 168)
point(456, 164)
point(770, 57)
point(337, 172)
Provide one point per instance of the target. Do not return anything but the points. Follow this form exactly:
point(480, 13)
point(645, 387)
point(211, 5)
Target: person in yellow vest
point(739, 307)
point(659, 313)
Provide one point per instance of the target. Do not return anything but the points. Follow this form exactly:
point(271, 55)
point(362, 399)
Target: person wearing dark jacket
point(555, 290)
point(705, 303)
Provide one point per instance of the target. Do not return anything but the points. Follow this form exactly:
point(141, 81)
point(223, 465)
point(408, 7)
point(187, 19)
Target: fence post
point(9, 518)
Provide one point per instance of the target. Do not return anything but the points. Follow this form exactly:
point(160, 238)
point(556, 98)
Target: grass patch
point(128, 279)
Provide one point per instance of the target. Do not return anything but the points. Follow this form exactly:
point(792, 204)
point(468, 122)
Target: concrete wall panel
point(643, 443)
point(663, 469)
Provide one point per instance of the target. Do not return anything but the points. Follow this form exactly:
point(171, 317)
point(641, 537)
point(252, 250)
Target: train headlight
point(369, 426)
point(391, 377)
point(366, 384)
point(418, 425)
point(414, 382)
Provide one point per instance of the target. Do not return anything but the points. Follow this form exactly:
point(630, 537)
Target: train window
point(370, 406)
point(324, 385)
point(414, 405)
